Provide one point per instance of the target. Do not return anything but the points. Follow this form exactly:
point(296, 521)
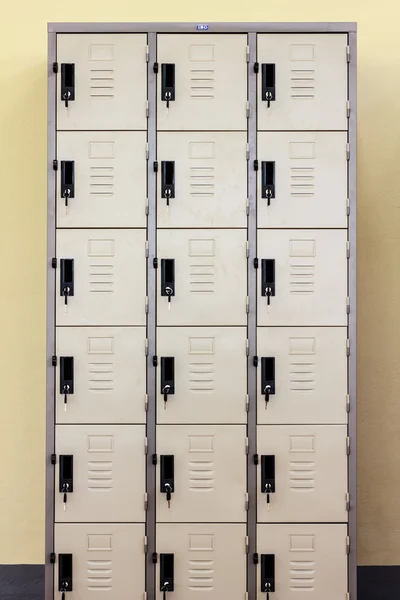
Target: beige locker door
point(210, 277)
point(108, 473)
point(209, 473)
point(310, 81)
point(210, 179)
point(109, 374)
point(310, 179)
point(210, 375)
point(310, 560)
point(109, 277)
point(310, 277)
point(107, 560)
point(310, 473)
point(210, 82)
point(110, 179)
point(308, 387)
point(209, 559)
point(110, 81)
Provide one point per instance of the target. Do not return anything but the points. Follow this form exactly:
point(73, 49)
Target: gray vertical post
point(151, 318)
point(252, 321)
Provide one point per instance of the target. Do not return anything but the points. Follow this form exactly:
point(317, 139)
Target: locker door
point(107, 75)
point(307, 77)
point(209, 375)
point(107, 560)
point(309, 269)
point(206, 558)
point(109, 374)
point(207, 77)
point(210, 179)
point(209, 473)
point(309, 560)
point(109, 277)
point(310, 476)
point(307, 388)
point(108, 173)
point(208, 290)
point(308, 176)
point(108, 473)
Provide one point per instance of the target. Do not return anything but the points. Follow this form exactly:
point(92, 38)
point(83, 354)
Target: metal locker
point(105, 560)
point(197, 284)
point(206, 467)
point(202, 179)
point(297, 560)
point(307, 388)
point(302, 473)
point(108, 372)
point(101, 81)
point(302, 81)
point(209, 375)
point(302, 179)
point(101, 179)
point(302, 277)
point(101, 279)
point(201, 82)
point(106, 471)
point(201, 558)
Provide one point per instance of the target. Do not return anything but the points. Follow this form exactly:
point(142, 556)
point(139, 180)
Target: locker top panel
point(204, 28)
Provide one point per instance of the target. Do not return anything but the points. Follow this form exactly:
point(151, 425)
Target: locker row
point(101, 375)
point(202, 277)
point(201, 473)
point(193, 558)
point(102, 81)
point(202, 179)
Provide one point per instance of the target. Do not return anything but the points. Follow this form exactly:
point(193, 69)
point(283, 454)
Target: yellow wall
point(23, 231)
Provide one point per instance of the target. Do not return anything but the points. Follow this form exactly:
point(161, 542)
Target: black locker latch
point(168, 179)
point(67, 180)
point(168, 83)
point(268, 278)
point(268, 92)
point(167, 476)
point(267, 377)
point(268, 476)
point(168, 278)
point(64, 574)
point(268, 180)
point(267, 574)
point(66, 481)
point(166, 574)
point(66, 278)
point(66, 377)
point(167, 377)
point(67, 83)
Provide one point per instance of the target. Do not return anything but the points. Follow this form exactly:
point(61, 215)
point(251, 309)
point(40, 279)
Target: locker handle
point(166, 573)
point(65, 573)
point(66, 480)
point(268, 91)
point(168, 278)
point(66, 377)
point(268, 476)
point(168, 179)
point(168, 83)
point(167, 377)
point(67, 180)
point(267, 573)
point(67, 83)
point(267, 377)
point(167, 476)
point(268, 180)
point(268, 278)
point(66, 278)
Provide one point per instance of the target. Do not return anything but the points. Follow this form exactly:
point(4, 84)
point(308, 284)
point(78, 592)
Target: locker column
point(100, 298)
point(201, 368)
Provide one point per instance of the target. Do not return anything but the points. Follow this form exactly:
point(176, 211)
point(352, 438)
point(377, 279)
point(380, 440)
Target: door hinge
point(147, 108)
point(348, 108)
point(145, 543)
point(155, 263)
point(348, 446)
point(52, 557)
point(54, 361)
point(146, 207)
point(147, 150)
point(255, 263)
point(146, 304)
point(146, 402)
point(347, 347)
point(246, 596)
point(255, 459)
point(146, 346)
point(347, 206)
point(255, 558)
point(348, 403)
point(247, 53)
point(247, 151)
point(348, 249)
point(54, 263)
point(55, 165)
point(147, 54)
point(53, 459)
point(246, 501)
point(347, 151)
point(155, 361)
point(255, 361)
point(348, 53)
point(55, 67)
point(247, 207)
point(154, 459)
point(154, 558)
point(348, 596)
point(247, 403)
point(247, 249)
point(247, 109)
point(155, 166)
point(155, 67)
point(255, 163)
point(347, 502)
point(347, 304)
point(146, 249)
point(247, 304)
point(146, 445)
point(247, 543)
point(256, 67)
point(348, 544)
point(247, 347)
point(247, 445)
point(144, 595)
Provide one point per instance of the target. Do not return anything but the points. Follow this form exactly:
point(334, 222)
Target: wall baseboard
point(26, 582)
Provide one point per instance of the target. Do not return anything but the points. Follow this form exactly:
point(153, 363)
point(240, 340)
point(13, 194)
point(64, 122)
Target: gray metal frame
point(152, 29)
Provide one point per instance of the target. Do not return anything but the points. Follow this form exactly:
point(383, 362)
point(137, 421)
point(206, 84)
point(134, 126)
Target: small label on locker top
point(202, 27)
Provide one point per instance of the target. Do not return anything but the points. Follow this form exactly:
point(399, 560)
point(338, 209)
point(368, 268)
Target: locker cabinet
point(209, 368)
point(303, 560)
point(101, 179)
point(206, 185)
point(108, 272)
point(108, 473)
point(207, 558)
point(302, 179)
point(196, 74)
point(306, 75)
point(208, 473)
point(108, 374)
point(107, 560)
point(306, 467)
point(105, 76)
point(209, 277)
point(308, 388)
point(307, 271)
